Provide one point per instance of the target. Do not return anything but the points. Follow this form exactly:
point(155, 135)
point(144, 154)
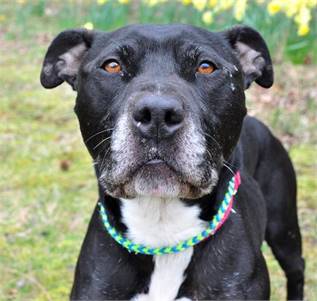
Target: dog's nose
point(158, 117)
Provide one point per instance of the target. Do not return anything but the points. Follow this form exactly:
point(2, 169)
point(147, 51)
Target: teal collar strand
point(213, 226)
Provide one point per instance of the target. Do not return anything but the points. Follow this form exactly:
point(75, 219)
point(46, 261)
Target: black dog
point(162, 112)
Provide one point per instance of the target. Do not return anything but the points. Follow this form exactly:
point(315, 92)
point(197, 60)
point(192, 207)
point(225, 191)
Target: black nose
point(158, 117)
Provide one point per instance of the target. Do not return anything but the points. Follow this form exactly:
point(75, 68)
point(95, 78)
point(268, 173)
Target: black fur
point(229, 265)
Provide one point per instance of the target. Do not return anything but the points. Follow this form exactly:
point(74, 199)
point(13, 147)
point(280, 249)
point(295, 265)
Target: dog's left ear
point(64, 56)
point(253, 54)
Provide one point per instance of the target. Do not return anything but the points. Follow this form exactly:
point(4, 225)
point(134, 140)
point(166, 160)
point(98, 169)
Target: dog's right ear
point(64, 56)
point(253, 54)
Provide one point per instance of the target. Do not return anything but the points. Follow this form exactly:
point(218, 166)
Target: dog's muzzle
point(158, 150)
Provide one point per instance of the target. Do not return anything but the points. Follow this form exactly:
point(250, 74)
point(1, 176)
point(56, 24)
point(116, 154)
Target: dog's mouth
point(155, 169)
point(158, 178)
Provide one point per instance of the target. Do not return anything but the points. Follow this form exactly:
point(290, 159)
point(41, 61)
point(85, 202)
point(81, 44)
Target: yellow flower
point(298, 10)
point(311, 3)
point(303, 30)
point(124, 1)
point(239, 9)
point(88, 26)
point(212, 3)
point(303, 16)
point(186, 2)
point(291, 10)
point(303, 19)
point(2, 18)
point(152, 2)
point(207, 17)
point(101, 2)
point(226, 4)
point(199, 4)
point(274, 7)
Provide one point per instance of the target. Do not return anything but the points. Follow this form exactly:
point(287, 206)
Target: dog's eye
point(112, 66)
point(206, 68)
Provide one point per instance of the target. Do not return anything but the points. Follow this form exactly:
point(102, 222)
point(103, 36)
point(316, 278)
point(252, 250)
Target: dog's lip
point(157, 163)
point(154, 162)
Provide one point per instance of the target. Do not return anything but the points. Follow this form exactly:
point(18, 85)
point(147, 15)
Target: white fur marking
point(159, 222)
point(167, 277)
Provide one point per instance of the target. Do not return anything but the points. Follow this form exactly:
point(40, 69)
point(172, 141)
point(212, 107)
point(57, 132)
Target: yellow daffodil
point(299, 10)
point(88, 26)
point(239, 9)
point(212, 3)
point(124, 1)
point(274, 7)
point(207, 17)
point(101, 2)
point(200, 4)
point(186, 2)
point(303, 16)
point(303, 30)
point(226, 4)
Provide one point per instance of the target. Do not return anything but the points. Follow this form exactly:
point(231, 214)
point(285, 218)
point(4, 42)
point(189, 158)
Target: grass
point(47, 185)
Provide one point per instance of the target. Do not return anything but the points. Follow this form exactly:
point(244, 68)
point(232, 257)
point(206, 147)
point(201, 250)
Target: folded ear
point(64, 57)
point(253, 54)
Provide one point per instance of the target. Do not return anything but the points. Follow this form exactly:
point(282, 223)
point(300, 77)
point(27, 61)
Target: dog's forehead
point(164, 33)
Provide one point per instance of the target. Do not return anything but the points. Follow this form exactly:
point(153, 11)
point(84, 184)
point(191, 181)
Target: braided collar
point(213, 226)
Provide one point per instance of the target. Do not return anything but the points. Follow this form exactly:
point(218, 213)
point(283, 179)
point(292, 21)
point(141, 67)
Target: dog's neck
point(146, 209)
point(160, 222)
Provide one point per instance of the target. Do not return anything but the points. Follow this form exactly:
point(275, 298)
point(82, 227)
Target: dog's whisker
point(231, 165)
point(98, 133)
point(213, 139)
point(94, 135)
point(225, 165)
point(208, 152)
point(101, 142)
point(104, 159)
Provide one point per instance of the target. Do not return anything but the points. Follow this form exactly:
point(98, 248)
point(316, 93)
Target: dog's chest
point(158, 223)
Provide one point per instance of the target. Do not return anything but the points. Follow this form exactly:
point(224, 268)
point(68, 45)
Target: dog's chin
point(157, 179)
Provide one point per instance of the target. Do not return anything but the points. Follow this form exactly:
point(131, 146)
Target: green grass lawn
point(47, 185)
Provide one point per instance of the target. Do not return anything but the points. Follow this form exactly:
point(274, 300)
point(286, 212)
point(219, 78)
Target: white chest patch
point(159, 222)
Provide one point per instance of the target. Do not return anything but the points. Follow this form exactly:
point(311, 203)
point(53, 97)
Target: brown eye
point(206, 68)
point(112, 66)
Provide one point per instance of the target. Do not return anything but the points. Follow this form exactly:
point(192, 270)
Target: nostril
point(173, 117)
point(143, 116)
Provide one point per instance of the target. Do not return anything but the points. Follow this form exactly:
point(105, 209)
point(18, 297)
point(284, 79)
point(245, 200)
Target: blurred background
point(47, 185)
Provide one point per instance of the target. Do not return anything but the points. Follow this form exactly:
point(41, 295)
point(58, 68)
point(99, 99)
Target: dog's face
point(160, 107)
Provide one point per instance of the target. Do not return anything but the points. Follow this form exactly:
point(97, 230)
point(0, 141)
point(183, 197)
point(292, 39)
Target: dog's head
point(160, 107)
